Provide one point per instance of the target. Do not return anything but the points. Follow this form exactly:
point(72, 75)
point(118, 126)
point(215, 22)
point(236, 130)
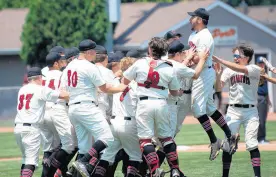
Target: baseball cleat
point(175, 173)
point(233, 143)
point(81, 168)
point(215, 147)
point(70, 172)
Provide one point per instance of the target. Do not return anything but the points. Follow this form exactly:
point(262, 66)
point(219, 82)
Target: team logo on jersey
point(239, 78)
point(191, 44)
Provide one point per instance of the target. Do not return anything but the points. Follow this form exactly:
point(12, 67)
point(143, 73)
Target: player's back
point(82, 81)
point(52, 81)
point(163, 76)
point(125, 103)
point(30, 104)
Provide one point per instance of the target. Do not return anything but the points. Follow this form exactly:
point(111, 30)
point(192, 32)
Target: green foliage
point(16, 3)
point(64, 23)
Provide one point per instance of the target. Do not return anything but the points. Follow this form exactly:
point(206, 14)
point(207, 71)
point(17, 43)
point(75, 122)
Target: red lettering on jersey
point(28, 99)
point(153, 76)
point(191, 44)
point(43, 82)
point(20, 104)
point(52, 84)
point(21, 101)
point(72, 78)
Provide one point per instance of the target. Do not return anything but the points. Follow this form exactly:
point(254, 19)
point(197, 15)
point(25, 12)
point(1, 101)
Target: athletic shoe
point(158, 173)
point(263, 142)
point(215, 147)
point(175, 173)
point(81, 168)
point(70, 172)
point(233, 143)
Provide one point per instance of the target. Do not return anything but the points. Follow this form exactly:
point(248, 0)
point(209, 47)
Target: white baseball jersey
point(167, 78)
point(203, 40)
point(44, 71)
point(31, 103)
point(82, 80)
point(108, 76)
point(182, 73)
point(52, 81)
point(126, 107)
point(242, 88)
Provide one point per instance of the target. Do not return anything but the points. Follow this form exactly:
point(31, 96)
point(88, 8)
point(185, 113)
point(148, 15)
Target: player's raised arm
point(270, 79)
point(231, 65)
point(268, 65)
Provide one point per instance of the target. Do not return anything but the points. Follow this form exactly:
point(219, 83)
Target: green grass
point(193, 164)
point(189, 135)
point(195, 135)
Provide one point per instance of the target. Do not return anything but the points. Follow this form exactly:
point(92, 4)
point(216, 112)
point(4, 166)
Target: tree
point(16, 3)
point(64, 23)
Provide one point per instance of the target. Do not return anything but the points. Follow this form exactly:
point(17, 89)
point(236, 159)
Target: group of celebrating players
point(108, 108)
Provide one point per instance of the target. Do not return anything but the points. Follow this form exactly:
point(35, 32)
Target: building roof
point(263, 14)
point(11, 22)
point(141, 21)
point(149, 24)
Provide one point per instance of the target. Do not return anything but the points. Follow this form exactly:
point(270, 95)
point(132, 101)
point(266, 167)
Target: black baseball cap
point(52, 57)
point(71, 52)
point(57, 49)
point(176, 46)
point(133, 54)
point(171, 34)
point(34, 71)
point(200, 12)
point(87, 44)
point(113, 57)
point(120, 54)
point(100, 50)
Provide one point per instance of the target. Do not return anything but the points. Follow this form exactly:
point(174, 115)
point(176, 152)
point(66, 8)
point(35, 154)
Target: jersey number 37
point(72, 78)
point(22, 97)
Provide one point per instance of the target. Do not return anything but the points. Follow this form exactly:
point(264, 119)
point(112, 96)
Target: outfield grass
point(193, 164)
point(195, 135)
point(189, 135)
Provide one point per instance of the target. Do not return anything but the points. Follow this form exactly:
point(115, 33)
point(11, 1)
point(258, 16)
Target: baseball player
point(104, 100)
point(123, 126)
point(83, 80)
point(176, 57)
point(155, 78)
point(32, 98)
point(57, 49)
point(59, 116)
point(202, 88)
point(51, 140)
point(243, 79)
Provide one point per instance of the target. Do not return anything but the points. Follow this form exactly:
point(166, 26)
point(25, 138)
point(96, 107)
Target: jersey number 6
point(72, 78)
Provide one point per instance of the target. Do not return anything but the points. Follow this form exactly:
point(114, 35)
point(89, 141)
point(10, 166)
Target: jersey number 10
point(72, 78)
